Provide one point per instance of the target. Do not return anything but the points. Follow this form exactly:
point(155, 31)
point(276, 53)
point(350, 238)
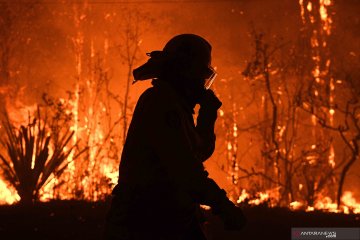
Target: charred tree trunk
point(343, 174)
point(27, 197)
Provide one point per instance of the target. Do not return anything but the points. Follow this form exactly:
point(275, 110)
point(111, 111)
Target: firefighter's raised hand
point(210, 101)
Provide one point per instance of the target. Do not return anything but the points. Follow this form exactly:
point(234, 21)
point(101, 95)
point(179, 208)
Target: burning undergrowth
point(289, 141)
point(62, 148)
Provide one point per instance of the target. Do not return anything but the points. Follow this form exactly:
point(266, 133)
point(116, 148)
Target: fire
point(8, 195)
point(323, 203)
point(89, 107)
point(92, 176)
point(326, 204)
point(269, 197)
point(350, 203)
point(296, 205)
point(101, 167)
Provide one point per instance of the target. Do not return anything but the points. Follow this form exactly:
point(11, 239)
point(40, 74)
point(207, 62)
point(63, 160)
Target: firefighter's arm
point(205, 124)
point(164, 133)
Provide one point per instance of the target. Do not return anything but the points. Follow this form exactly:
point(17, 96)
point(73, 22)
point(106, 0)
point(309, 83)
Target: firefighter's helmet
point(187, 55)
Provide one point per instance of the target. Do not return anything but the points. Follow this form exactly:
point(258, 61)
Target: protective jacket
point(161, 176)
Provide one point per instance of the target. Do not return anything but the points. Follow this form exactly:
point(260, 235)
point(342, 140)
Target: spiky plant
point(28, 163)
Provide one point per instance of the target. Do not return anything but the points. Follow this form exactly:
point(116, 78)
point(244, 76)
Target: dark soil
point(84, 220)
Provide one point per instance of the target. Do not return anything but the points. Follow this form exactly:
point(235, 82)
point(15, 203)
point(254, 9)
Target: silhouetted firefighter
point(162, 180)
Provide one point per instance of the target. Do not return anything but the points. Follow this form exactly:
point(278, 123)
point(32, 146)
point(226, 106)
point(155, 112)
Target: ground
point(84, 220)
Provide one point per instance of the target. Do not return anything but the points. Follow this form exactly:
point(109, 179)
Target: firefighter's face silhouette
point(185, 62)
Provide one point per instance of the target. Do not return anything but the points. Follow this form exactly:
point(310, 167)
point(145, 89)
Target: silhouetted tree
point(34, 153)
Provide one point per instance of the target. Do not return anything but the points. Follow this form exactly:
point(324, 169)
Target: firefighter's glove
point(209, 104)
point(209, 101)
point(232, 216)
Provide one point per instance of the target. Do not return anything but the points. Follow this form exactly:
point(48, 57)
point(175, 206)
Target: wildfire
point(7, 194)
point(92, 177)
point(349, 204)
point(101, 168)
point(271, 198)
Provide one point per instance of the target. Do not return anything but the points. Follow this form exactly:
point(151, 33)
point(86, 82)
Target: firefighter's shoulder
point(159, 103)
point(157, 98)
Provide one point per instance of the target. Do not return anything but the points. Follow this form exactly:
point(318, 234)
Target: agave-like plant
point(28, 163)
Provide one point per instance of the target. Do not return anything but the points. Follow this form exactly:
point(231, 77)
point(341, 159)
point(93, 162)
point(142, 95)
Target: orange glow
point(332, 156)
point(309, 6)
point(256, 145)
point(350, 203)
point(324, 203)
point(296, 205)
point(8, 195)
point(270, 197)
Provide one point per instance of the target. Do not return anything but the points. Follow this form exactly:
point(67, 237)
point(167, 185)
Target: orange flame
point(8, 195)
point(349, 203)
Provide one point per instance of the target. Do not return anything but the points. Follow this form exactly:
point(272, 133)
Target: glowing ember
point(296, 205)
point(243, 196)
